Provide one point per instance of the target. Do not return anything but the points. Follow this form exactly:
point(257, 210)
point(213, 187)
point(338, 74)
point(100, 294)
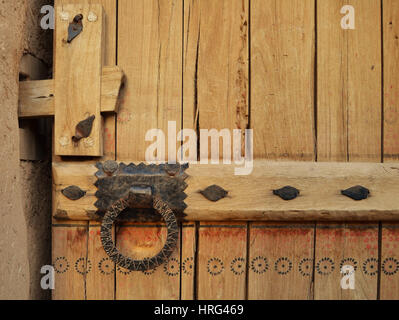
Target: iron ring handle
point(149, 263)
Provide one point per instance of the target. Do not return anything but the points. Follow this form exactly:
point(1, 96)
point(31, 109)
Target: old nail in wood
point(356, 193)
point(214, 193)
point(75, 28)
point(287, 193)
point(83, 129)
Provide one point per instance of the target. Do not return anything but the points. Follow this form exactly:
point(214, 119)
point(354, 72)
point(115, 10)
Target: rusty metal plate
point(167, 181)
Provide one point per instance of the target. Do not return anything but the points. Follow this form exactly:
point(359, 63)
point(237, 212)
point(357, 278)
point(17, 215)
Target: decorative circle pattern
point(370, 266)
point(348, 262)
point(390, 266)
point(215, 266)
point(106, 266)
point(305, 267)
point(259, 265)
point(61, 265)
point(83, 266)
point(237, 266)
point(325, 266)
point(172, 267)
point(283, 266)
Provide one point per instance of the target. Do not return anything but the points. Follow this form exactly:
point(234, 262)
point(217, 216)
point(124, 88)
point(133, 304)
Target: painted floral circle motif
point(188, 266)
point(123, 270)
point(61, 265)
point(238, 266)
point(106, 266)
point(172, 267)
point(325, 266)
point(348, 262)
point(390, 266)
point(283, 266)
point(82, 267)
point(259, 265)
point(370, 266)
point(305, 267)
point(215, 266)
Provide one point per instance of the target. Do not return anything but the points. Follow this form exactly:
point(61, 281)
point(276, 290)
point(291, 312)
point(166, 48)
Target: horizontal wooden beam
point(251, 197)
point(36, 98)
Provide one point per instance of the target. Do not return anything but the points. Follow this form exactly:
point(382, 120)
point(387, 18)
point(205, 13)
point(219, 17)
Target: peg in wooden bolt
point(75, 28)
point(83, 129)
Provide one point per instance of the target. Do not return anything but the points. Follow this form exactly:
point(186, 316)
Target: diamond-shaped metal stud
point(287, 193)
point(214, 193)
point(356, 193)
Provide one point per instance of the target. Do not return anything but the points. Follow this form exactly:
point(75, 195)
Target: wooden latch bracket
point(82, 88)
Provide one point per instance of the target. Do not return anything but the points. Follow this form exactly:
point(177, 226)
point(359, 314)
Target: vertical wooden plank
point(100, 282)
point(282, 117)
point(391, 83)
point(281, 261)
point(95, 279)
point(216, 93)
point(346, 244)
point(189, 248)
point(389, 285)
point(282, 78)
point(150, 53)
point(70, 261)
point(75, 69)
point(349, 82)
point(222, 264)
point(139, 242)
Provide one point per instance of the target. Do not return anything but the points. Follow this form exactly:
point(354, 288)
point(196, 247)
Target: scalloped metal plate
point(166, 180)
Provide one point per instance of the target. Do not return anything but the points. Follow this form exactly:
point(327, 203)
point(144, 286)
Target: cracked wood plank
point(215, 96)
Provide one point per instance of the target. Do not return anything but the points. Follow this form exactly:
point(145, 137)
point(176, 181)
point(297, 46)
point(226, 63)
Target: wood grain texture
point(251, 197)
point(36, 98)
point(337, 245)
point(282, 79)
point(281, 261)
point(150, 53)
point(389, 286)
point(221, 268)
point(77, 71)
point(349, 67)
point(100, 282)
point(139, 242)
point(391, 83)
point(189, 248)
point(70, 262)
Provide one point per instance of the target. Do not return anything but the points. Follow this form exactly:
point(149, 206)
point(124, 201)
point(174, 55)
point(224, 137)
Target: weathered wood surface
point(349, 67)
point(281, 261)
point(339, 245)
point(282, 79)
point(251, 197)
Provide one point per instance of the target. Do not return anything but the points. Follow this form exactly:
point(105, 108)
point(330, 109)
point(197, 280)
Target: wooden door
point(309, 89)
